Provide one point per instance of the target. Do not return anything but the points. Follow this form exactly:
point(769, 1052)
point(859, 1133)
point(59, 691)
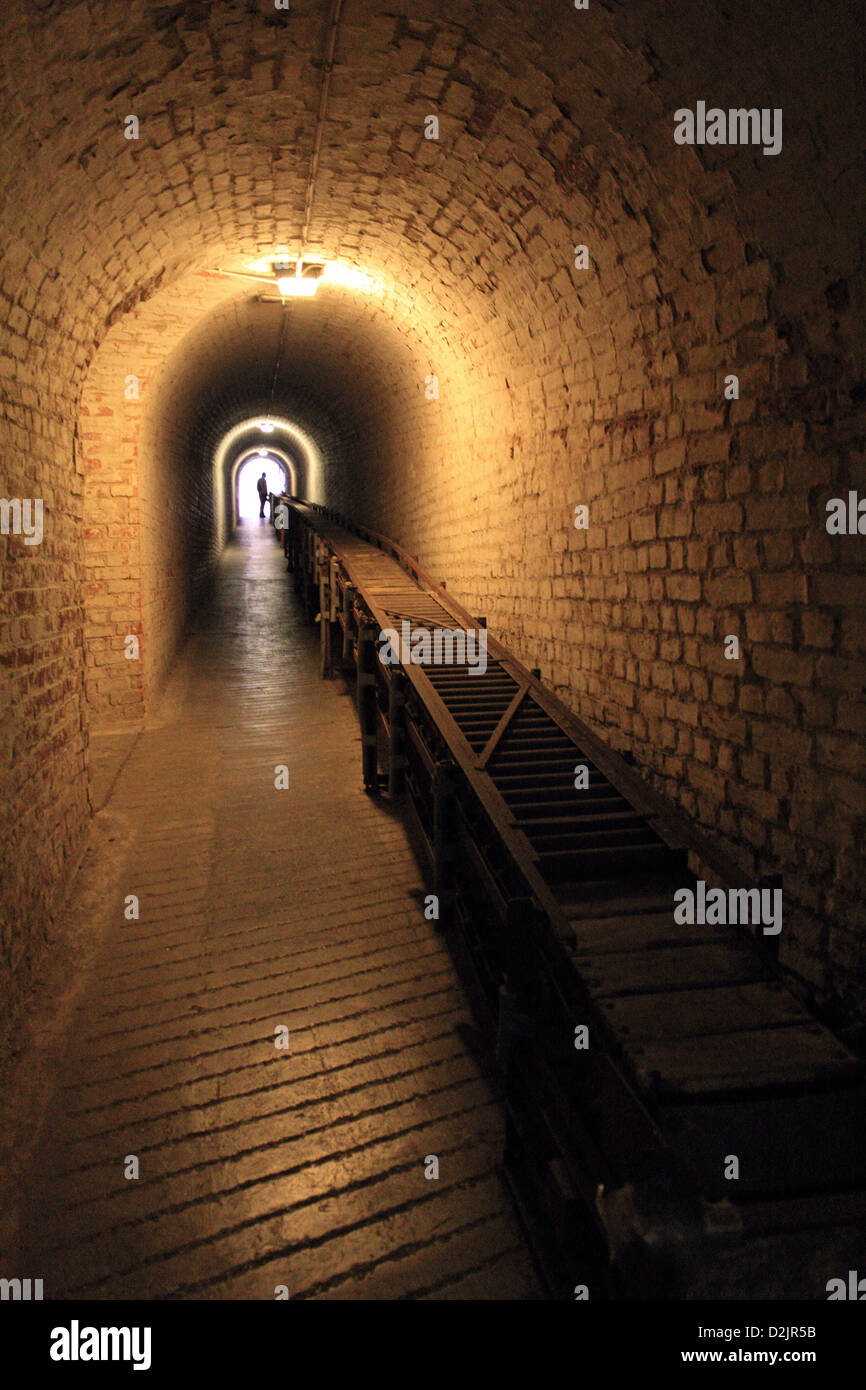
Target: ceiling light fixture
point(331, 272)
point(292, 279)
point(298, 284)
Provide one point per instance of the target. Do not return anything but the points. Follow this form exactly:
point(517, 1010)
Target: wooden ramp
point(701, 1088)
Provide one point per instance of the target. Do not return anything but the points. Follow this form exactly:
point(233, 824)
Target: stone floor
point(262, 908)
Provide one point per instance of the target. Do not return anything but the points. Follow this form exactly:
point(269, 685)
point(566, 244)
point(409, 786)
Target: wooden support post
point(443, 840)
point(303, 543)
point(311, 588)
point(348, 596)
point(397, 725)
point(294, 545)
point(333, 589)
point(301, 548)
point(329, 567)
point(513, 1023)
point(366, 687)
point(291, 543)
point(324, 568)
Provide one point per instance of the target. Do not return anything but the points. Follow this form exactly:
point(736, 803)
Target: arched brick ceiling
point(553, 122)
point(555, 128)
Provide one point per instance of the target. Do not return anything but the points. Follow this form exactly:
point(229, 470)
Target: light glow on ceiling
point(297, 286)
point(333, 273)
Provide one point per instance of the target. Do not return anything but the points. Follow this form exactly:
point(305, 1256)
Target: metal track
point(559, 896)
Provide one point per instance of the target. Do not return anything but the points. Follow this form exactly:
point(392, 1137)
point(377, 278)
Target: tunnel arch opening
point(293, 447)
point(246, 472)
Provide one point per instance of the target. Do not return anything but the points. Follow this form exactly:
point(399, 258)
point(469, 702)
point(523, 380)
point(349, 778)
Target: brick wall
point(557, 386)
point(110, 417)
point(44, 801)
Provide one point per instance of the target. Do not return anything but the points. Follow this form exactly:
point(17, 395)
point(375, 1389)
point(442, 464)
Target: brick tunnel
point(585, 346)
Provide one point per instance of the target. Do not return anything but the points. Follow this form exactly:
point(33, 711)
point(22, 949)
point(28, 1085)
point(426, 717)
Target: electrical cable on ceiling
point(280, 345)
point(327, 69)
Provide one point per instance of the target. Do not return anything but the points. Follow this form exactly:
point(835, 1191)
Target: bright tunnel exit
point(249, 505)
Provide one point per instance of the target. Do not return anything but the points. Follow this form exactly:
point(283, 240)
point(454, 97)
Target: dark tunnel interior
point(586, 348)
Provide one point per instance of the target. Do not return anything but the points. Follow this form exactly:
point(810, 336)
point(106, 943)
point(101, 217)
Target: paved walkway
point(262, 908)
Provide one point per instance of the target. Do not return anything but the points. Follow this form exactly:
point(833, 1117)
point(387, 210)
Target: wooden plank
point(638, 931)
point(799, 1053)
point(588, 833)
point(604, 807)
point(476, 729)
point(602, 863)
point(530, 801)
point(719, 962)
point(517, 783)
point(422, 619)
point(482, 702)
point(549, 759)
point(689, 1013)
point(546, 736)
point(602, 820)
point(456, 688)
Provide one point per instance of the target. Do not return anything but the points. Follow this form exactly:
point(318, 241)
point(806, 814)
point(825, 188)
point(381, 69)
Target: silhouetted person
point(262, 486)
